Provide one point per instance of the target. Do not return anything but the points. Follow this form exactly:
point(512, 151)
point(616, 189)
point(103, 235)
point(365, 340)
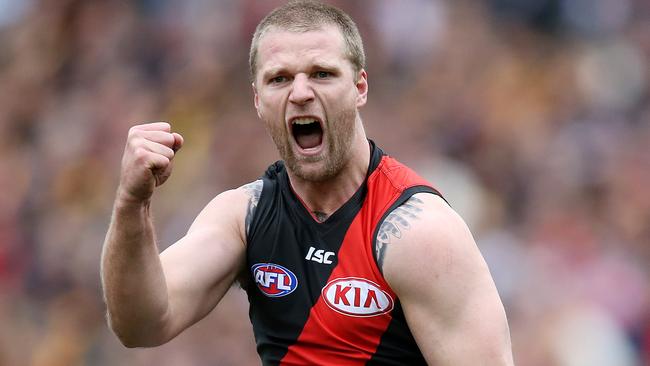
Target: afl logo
point(274, 280)
point(356, 297)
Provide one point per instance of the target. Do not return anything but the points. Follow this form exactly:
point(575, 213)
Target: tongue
point(309, 140)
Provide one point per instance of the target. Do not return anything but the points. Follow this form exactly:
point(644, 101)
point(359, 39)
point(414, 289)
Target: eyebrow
point(273, 71)
point(316, 66)
point(325, 65)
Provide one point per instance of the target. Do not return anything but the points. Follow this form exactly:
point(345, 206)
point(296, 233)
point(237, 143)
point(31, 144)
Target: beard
point(338, 139)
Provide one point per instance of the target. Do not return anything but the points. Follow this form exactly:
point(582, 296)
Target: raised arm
point(151, 297)
point(451, 304)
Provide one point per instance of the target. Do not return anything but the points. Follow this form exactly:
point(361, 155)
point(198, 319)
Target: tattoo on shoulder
point(393, 225)
point(254, 190)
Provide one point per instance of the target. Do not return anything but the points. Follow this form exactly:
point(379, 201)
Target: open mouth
point(307, 132)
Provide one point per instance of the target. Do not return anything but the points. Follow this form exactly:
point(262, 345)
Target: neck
point(323, 198)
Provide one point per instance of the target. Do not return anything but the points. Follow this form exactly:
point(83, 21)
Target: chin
point(320, 171)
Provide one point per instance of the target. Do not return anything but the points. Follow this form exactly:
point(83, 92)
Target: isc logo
point(356, 297)
point(319, 255)
point(274, 280)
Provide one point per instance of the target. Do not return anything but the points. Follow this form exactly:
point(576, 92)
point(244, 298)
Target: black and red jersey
point(316, 294)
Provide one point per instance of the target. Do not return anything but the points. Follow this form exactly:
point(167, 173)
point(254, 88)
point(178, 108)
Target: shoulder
point(446, 290)
point(438, 219)
point(428, 215)
point(413, 215)
point(253, 190)
point(230, 209)
point(434, 244)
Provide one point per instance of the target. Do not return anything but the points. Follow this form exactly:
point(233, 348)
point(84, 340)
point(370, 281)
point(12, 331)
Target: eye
point(277, 79)
point(322, 74)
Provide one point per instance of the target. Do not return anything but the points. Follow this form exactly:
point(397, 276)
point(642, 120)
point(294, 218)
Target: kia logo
point(356, 297)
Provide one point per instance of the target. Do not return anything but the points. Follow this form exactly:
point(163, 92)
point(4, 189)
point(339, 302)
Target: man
point(347, 256)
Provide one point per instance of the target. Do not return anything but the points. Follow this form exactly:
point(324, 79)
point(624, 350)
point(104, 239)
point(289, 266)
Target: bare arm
point(201, 267)
point(152, 298)
point(446, 290)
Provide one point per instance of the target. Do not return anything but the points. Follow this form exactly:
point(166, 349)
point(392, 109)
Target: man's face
point(307, 93)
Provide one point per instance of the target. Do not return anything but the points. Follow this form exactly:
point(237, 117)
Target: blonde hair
point(305, 16)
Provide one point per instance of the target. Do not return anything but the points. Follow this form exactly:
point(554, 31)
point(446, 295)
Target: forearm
point(132, 277)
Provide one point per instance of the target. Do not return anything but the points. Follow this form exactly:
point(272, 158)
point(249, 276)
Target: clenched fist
point(147, 160)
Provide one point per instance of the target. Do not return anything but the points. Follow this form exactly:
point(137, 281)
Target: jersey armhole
point(405, 196)
point(255, 191)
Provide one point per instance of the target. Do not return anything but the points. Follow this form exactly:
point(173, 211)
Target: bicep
point(446, 290)
point(201, 266)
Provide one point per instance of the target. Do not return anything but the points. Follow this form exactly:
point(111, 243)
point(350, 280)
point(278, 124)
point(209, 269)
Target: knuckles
point(138, 151)
point(140, 155)
point(143, 162)
point(137, 136)
point(135, 131)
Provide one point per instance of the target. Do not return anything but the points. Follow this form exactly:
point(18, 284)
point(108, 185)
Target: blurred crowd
point(531, 116)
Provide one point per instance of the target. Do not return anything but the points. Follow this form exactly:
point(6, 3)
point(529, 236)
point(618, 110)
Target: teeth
point(303, 121)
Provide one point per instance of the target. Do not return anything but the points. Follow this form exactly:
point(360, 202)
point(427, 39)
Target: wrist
point(126, 200)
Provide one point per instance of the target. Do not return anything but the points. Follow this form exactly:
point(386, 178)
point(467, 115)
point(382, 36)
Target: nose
point(301, 92)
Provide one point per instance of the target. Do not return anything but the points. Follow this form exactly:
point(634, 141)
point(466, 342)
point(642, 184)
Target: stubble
point(338, 136)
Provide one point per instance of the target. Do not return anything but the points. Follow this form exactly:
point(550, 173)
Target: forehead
point(280, 48)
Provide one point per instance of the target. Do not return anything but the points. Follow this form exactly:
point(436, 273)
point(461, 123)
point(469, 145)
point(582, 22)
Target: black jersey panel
point(283, 285)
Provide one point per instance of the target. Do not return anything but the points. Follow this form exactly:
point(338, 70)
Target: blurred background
point(531, 116)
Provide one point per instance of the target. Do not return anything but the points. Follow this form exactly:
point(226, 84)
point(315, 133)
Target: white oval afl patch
point(356, 297)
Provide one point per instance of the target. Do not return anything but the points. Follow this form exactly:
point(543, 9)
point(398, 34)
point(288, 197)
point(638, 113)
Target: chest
point(299, 269)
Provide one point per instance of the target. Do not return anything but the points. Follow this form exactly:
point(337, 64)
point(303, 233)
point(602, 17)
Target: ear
point(362, 88)
point(256, 100)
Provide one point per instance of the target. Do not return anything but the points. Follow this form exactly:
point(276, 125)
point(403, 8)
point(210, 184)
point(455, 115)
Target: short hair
point(308, 15)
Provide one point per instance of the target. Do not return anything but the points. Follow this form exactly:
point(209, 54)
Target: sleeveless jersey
point(316, 294)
